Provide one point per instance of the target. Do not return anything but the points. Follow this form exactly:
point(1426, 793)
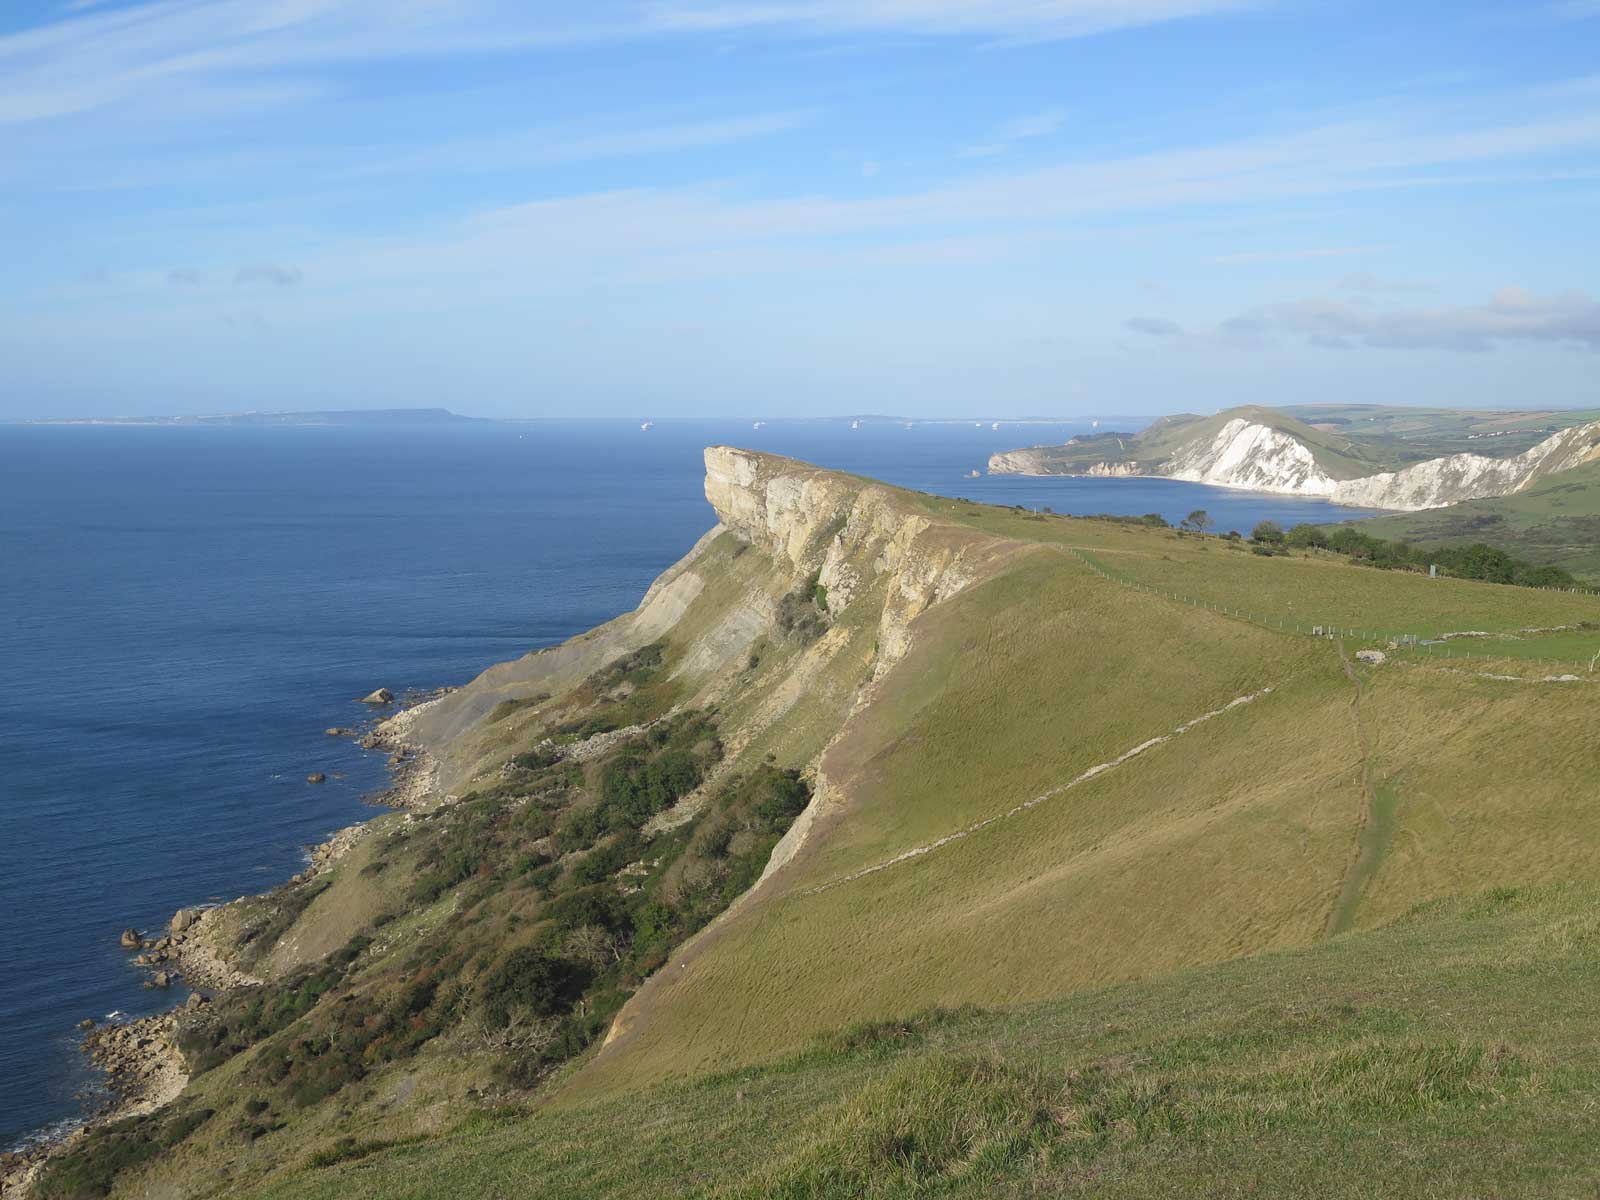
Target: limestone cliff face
point(873, 550)
point(1256, 457)
point(1458, 477)
point(1018, 462)
point(852, 533)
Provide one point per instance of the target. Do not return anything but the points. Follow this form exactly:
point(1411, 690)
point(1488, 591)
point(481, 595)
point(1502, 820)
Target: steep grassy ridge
point(1233, 837)
point(967, 769)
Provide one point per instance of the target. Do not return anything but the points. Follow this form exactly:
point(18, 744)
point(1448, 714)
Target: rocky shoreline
point(144, 1070)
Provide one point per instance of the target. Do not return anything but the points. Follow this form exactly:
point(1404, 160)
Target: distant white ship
point(908, 424)
point(977, 424)
point(996, 425)
point(648, 425)
point(758, 425)
point(855, 424)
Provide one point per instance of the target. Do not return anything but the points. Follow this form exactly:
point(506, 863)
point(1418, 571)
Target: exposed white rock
point(1459, 477)
point(1249, 455)
point(1256, 457)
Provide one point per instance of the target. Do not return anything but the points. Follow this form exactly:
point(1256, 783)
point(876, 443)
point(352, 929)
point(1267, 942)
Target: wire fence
point(1429, 646)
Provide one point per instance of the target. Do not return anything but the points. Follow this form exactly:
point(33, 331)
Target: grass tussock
point(922, 1125)
point(929, 1123)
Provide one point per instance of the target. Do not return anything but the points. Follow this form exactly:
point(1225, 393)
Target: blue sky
point(774, 207)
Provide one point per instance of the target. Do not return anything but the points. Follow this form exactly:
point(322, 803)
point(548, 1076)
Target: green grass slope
point(868, 752)
point(1421, 433)
point(1556, 521)
point(1450, 1053)
point(1240, 834)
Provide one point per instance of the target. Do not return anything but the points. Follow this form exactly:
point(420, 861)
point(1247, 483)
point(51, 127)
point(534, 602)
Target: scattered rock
point(195, 1000)
point(86, 1023)
point(381, 696)
point(372, 742)
point(1376, 657)
point(338, 731)
point(184, 918)
point(132, 939)
point(316, 777)
point(162, 979)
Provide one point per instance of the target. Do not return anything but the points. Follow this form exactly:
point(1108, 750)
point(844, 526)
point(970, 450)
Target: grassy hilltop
point(902, 846)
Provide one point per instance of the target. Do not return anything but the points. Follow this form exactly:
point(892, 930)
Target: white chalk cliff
point(1256, 457)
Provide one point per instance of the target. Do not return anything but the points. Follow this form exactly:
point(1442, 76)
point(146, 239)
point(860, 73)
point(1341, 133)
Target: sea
point(185, 610)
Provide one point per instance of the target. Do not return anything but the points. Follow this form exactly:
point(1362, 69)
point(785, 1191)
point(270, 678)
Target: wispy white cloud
point(100, 57)
point(1032, 19)
point(267, 275)
point(1368, 283)
point(1511, 315)
point(1270, 256)
point(1571, 10)
point(1161, 327)
point(1018, 129)
point(652, 234)
point(552, 146)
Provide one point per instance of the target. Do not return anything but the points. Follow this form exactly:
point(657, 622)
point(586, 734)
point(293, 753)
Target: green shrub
point(798, 614)
point(350, 1149)
point(528, 980)
point(1477, 561)
point(91, 1167)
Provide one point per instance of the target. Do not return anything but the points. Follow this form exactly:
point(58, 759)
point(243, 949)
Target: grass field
point(1419, 433)
point(1448, 1054)
point(1303, 589)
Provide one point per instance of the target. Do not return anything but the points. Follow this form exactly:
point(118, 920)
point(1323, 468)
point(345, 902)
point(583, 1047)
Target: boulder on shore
point(184, 918)
point(132, 939)
point(316, 777)
point(381, 696)
point(338, 731)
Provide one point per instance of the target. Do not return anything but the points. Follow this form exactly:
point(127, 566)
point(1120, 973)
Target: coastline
point(139, 1059)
